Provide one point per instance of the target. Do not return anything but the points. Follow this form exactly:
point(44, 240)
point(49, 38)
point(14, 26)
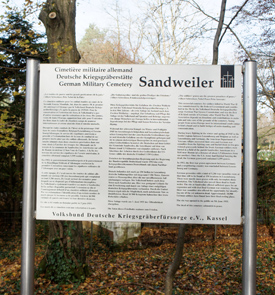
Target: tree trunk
point(173, 267)
point(10, 184)
point(218, 34)
point(216, 44)
point(65, 258)
point(58, 17)
point(18, 178)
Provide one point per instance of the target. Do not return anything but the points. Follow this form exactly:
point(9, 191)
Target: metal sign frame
point(249, 178)
point(29, 177)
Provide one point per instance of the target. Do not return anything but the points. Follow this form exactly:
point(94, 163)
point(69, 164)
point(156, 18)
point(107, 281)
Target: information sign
point(141, 143)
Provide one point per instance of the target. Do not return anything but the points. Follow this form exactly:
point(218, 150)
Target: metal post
point(29, 178)
point(250, 179)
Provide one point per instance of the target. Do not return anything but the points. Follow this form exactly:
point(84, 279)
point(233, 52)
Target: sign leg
point(29, 181)
point(250, 179)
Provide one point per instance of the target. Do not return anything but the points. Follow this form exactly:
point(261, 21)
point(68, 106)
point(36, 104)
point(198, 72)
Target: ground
point(208, 266)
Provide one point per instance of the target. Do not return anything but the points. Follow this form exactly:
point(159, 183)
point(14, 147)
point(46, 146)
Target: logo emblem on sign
point(227, 77)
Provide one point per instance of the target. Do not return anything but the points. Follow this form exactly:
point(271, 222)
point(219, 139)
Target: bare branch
point(218, 33)
point(232, 19)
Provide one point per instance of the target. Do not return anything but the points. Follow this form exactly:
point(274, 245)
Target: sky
point(95, 12)
point(87, 12)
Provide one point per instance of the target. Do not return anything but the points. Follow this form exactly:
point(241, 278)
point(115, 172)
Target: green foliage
point(59, 269)
point(7, 130)
point(9, 251)
point(105, 238)
point(100, 242)
point(266, 192)
point(18, 41)
point(61, 263)
point(42, 231)
point(266, 155)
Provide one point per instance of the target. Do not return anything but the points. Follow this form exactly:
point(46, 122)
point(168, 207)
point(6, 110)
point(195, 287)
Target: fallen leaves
point(207, 267)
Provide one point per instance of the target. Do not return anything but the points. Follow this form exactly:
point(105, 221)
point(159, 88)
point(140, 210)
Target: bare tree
point(65, 258)
point(169, 32)
point(253, 26)
point(180, 242)
point(58, 18)
point(127, 33)
point(218, 34)
point(259, 45)
point(174, 266)
point(99, 46)
point(164, 32)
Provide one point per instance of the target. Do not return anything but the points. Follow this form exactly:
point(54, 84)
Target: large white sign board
point(140, 143)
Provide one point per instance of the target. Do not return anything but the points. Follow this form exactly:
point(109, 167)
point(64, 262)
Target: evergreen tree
point(18, 41)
